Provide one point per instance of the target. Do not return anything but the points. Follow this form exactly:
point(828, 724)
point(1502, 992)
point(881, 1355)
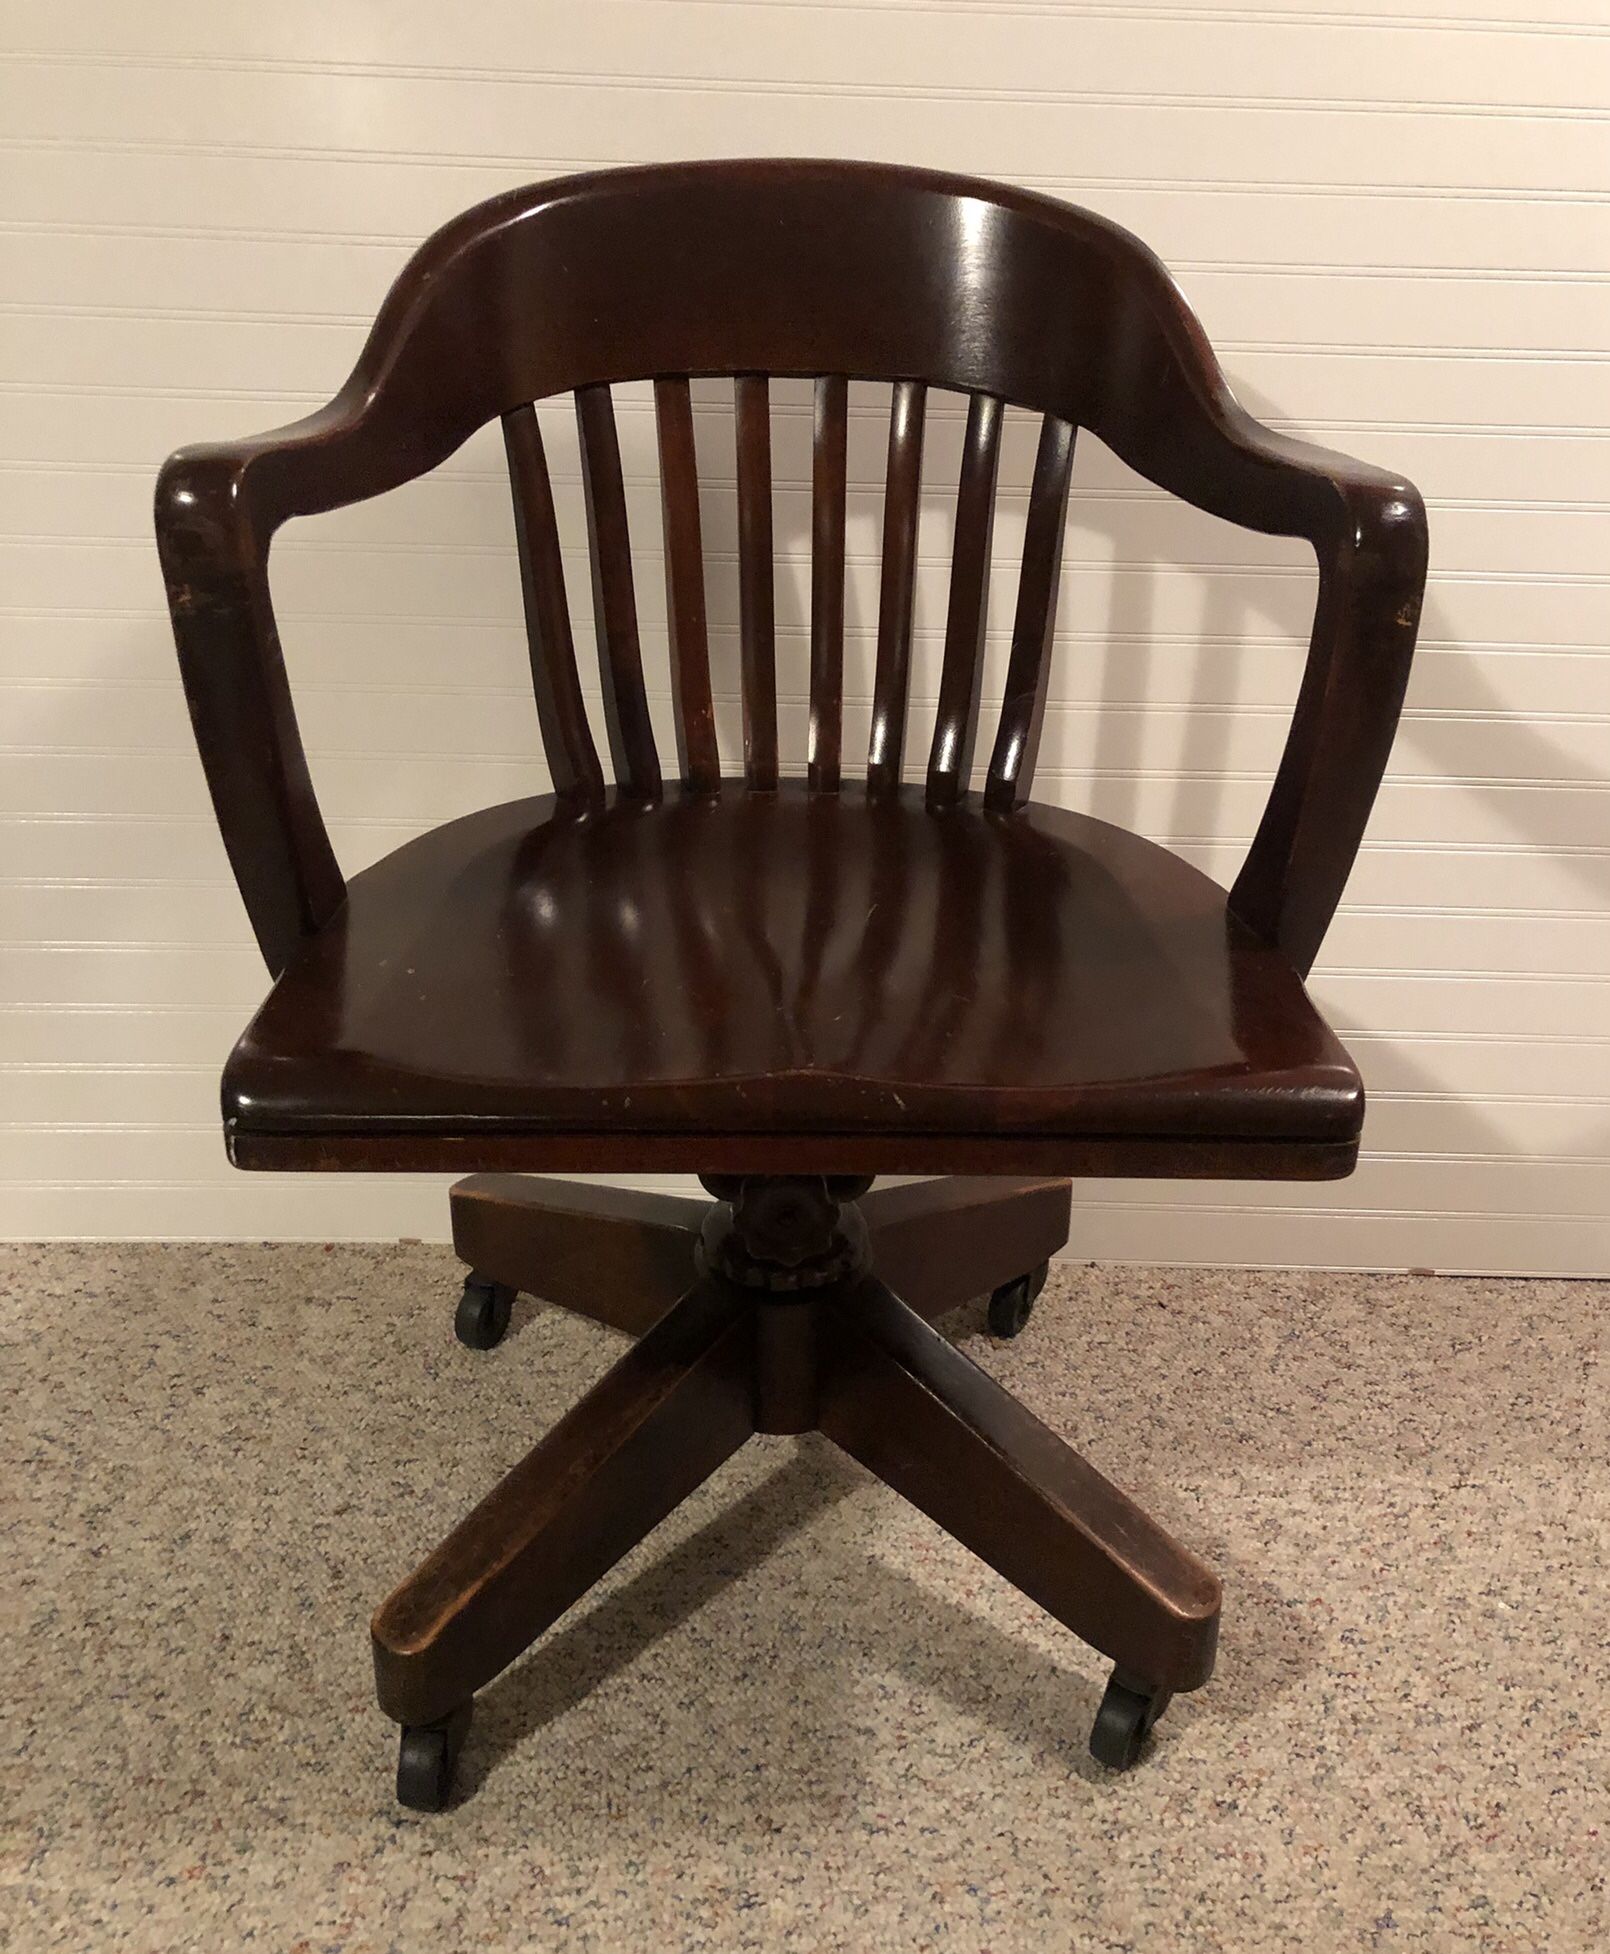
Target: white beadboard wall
point(1396, 228)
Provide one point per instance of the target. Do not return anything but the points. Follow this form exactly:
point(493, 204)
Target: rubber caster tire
point(483, 1313)
point(1128, 1711)
point(1012, 1304)
point(427, 1757)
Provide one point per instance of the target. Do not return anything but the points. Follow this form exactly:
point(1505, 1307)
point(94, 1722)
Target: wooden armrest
point(1153, 392)
point(216, 509)
point(1164, 406)
point(1368, 529)
point(410, 401)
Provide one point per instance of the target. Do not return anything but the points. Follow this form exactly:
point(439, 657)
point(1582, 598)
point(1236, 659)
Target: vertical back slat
point(756, 603)
point(950, 764)
point(697, 753)
point(620, 656)
point(827, 582)
point(1017, 739)
point(566, 737)
point(902, 502)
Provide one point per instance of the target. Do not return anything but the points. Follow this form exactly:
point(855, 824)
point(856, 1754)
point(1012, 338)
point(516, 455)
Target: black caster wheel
point(1012, 1304)
point(426, 1759)
point(1128, 1710)
point(483, 1313)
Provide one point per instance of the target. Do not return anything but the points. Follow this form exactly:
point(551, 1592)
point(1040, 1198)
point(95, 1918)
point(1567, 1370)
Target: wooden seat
point(787, 972)
point(796, 963)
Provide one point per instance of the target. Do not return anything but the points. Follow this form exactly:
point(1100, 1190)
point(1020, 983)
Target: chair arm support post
point(217, 508)
point(214, 562)
point(1169, 412)
point(1372, 568)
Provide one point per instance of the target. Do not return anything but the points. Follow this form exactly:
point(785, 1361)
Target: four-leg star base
point(788, 1306)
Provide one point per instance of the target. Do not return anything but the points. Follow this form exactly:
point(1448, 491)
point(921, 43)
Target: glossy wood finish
point(1017, 738)
point(847, 1357)
point(617, 1255)
point(612, 1151)
point(827, 583)
point(655, 1426)
point(698, 757)
point(756, 591)
point(620, 656)
point(922, 1416)
point(723, 966)
point(950, 765)
point(814, 268)
point(561, 715)
point(902, 505)
point(623, 1257)
point(940, 1243)
point(804, 979)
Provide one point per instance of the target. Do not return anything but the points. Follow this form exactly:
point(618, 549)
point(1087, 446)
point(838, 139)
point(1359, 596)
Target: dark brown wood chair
point(786, 985)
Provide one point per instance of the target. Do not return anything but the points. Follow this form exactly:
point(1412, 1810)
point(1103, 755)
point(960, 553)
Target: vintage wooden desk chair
point(783, 983)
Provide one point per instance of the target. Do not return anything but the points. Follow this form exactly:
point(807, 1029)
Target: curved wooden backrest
point(835, 271)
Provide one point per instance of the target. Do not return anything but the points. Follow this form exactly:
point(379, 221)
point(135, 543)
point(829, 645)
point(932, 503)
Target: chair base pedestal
point(791, 1305)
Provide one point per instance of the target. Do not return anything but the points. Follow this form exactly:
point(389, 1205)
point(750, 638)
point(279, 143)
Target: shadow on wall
point(1524, 750)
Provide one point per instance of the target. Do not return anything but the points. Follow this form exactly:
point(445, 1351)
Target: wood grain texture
point(756, 588)
point(785, 1326)
point(1017, 738)
point(940, 1243)
point(697, 753)
point(829, 453)
point(806, 232)
point(917, 1412)
point(950, 764)
point(620, 655)
point(639, 985)
point(722, 966)
point(670, 1411)
point(619, 1256)
point(566, 737)
point(902, 505)
point(577, 1150)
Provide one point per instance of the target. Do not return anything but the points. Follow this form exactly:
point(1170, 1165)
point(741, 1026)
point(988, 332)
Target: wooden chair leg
point(917, 1412)
point(939, 1243)
point(620, 1257)
point(678, 1403)
point(790, 1329)
point(623, 1258)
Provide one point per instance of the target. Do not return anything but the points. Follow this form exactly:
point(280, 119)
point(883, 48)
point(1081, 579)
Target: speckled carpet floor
point(799, 1717)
